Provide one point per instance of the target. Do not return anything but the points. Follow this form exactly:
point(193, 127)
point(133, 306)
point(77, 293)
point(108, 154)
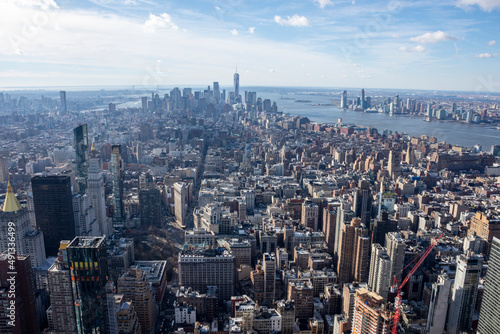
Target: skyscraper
point(28, 241)
point(87, 259)
point(95, 191)
point(438, 305)
point(370, 314)
point(4, 168)
point(362, 98)
point(16, 274)
point(81, 145)
point(395, 246)
point(53, 203)
point(117, 178)
point(394, 164)
point(489, 319)
point(180, 194)
point(363, 202)
point(354, 248)
point(343, 100)
point(464, 293)
point(61, 313)
point(269, 267)
point(134, 285)
point(236, 83)
point(380, 278)
point(64, 108)
point(216, 91)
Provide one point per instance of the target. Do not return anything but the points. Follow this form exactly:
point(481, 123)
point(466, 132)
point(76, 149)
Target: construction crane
point(397, 302)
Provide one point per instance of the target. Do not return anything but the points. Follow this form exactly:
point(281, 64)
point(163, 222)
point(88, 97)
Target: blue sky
point(437, 45)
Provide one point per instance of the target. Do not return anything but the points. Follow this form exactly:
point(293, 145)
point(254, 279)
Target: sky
point(435, 45)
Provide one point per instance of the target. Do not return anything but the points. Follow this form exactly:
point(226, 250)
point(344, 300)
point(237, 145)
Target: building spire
point(11, 203)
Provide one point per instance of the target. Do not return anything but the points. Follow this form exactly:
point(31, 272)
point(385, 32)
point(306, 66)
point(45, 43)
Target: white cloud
point(492, 43)
point(43, 4)
point(294, 21)
point(324, 3)
point(162, 21)
point(271, 70)
point(234, 32)
point(433, 37)
point(485, 55)
point(418, 48)
point(486, 5)
point(251, 30)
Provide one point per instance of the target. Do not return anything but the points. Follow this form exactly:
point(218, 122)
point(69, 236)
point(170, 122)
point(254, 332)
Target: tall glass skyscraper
point(81, 145)
point(489, 318)
point(116, 176)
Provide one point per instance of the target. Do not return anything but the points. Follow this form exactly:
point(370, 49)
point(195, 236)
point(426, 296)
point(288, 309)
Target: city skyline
point(389, 44)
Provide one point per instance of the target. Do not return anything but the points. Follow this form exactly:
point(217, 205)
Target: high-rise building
point(343, 100)
point(344, 215)
point(96, 193)
point(64, 107)
point(380, 279)
point(302, 292)
point(117, 178)
point(16, 275)
point(394, 164)
point(363, 202)
point(485, 225)
point(27, 240)
point(216, 91)
point(53, 201)
point(464, 293)
point(354, 249)
point(81, 145)
point(395, 246)
point(87, 259)
point(438, 305)
point(134, 285)
point(144, 104)
point(200, 268)
point(236, 84)
point(310, 215)
point(287, 311)
point(489, 320)
point(85, 219)
point(4, 168)
point(362, 98)
point(150, 207)
point(269, 268)
point(61, 313)
point(180, 202)
point(370, 314)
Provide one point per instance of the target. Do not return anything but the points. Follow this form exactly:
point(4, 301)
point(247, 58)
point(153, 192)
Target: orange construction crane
point(397, 302)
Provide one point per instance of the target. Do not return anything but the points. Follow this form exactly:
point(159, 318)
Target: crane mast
point(397, 302)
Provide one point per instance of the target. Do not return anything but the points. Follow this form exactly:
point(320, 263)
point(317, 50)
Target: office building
point(489, 317)
point(269, 268)
point(370, 314)
point(96, 193)
point(53, 201)
point(61, 313)
point(150, 207)
point(287, 311)
point(23, 302)
point(28, 240)
point(464, 294)
point(85, 219)
point(438, 305)
point(216, 92)
point(127, 321)
point(380, 279)
point(203, 267)
point(4, 168)
point(117, 179)
point(343, 100)
point(394, 164)
point(363, 202)
point(236, 85)
point(394, 243)
point(81, 145)
point(180, 202)
point(87, 258)
point(310, 214)
point(64, 107)
point(134, 286)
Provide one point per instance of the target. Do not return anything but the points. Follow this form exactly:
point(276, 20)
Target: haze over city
point(438, 45)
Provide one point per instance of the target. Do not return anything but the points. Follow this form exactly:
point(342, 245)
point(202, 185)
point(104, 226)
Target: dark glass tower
point(81, 145)
point(88, 263)
point(53, 203)
point(116, 176)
